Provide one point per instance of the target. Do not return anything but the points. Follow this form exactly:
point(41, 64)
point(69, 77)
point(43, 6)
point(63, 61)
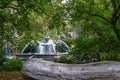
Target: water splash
point(49, 47)
point(68, 49)
point(25, 48)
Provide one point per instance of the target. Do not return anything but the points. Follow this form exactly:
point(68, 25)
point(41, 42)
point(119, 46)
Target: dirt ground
point(11, 75)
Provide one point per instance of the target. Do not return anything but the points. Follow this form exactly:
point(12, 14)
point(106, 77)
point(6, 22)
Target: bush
point(69, 41)
point(60, 47)
point(31, 47)
point(1, 53)
point(69, 60)
point(109, 57)
point(2, 57)
point(12, 65)
point(65, 59)
point(96, 49)
point(86, 50)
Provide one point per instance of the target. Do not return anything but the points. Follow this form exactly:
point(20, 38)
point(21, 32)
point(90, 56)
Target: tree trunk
point(116, 31)
point(37, 69)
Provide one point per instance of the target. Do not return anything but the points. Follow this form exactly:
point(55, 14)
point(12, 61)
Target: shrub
point(2, 57)
point(69, 41)
point(109, 57)
point(1, 53)
point(31, 47)
point(86, 50)
point(97, 48)
point(65, 59)
point(12, 65)
point(60, 47)
point(69, 60)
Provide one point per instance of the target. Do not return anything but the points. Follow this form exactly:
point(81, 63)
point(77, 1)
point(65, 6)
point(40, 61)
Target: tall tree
point(83, 12)
point(16, 15)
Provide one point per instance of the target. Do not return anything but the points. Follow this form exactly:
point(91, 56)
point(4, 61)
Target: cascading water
point(24, 48)
point(68, 49)
point(47, 46)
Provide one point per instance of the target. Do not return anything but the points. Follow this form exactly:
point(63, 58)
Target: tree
point(17, 15)
point(98, 21)
point(83, 12)
point(113, 16)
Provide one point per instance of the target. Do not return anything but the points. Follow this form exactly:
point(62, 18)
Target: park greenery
point(96, 22)
point(7, 64)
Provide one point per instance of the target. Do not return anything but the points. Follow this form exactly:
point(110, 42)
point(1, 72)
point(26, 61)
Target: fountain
point(47, 47)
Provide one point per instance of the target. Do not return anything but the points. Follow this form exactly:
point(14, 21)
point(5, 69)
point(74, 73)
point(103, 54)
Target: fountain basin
point(38, 69)
point(50, 57)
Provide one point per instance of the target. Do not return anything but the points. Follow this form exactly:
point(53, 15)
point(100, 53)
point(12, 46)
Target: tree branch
point(115, 15)
point(102, 17)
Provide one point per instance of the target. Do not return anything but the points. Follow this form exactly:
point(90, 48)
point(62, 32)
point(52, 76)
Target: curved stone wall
point(37, 69)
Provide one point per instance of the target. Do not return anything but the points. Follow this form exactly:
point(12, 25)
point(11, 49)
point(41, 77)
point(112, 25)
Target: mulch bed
point(11, 75)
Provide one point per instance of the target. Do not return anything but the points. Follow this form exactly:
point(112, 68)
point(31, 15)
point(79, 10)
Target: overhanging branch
point(115, 15)
point(102, 17)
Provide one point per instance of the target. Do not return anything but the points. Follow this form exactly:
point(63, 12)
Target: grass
point(11, 75)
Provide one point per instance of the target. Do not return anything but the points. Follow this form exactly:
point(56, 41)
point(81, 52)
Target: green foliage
point(65, 59)
point(95, 49)
point(12, 65)
point(109, 57)
point(69, 60)
point(60, 47)
point(69, 41)
point(31, 47)
point(2, 57)
point(17, 15)
point(9, 64)
point(2, 60)
point(103, 56)
point(109, 43)
point(1, 53)
point(86, 49)
point(101, 17)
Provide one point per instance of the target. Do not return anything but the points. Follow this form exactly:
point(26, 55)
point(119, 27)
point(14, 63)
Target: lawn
point(11, 75)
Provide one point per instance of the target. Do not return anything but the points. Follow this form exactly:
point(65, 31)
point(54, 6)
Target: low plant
point(94, 49)
point(12, 65)
point(109, 57)
point(69, 60)
point(86, 50)
point(2, 57)
point(65, 59)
